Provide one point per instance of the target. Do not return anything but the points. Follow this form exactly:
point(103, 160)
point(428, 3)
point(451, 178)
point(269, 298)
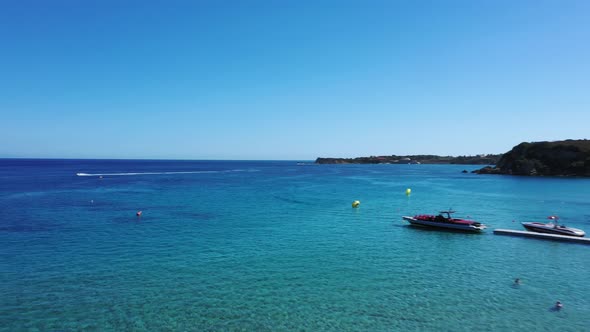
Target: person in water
point(517, 281)
point(558, 305)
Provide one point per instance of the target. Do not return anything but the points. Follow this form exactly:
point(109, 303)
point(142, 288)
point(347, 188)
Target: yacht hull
point(445, 225)
point(552, 229)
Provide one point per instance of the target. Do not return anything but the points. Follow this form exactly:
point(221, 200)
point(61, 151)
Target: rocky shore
point(559, 158)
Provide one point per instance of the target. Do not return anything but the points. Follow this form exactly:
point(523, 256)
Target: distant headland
point(558, 158)
point(488, 159)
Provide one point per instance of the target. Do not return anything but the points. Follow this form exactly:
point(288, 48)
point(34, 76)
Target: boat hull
point(445, 225)
point(550, 229)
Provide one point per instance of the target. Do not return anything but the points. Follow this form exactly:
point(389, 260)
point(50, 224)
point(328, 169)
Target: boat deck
point(555, 237)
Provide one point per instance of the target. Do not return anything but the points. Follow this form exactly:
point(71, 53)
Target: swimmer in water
point(517, 281)
point(558, 305)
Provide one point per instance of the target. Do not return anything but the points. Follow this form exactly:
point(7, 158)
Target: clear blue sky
point(290, 79)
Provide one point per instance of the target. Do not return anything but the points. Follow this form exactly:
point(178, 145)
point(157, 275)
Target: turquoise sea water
point(276, 246)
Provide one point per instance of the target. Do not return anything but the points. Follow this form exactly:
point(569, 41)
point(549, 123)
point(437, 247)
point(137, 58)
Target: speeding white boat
point(553, 228)
point(441, 221)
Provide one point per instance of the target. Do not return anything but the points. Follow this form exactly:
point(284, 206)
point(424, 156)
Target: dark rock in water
point(488, 170)
point(560, 158)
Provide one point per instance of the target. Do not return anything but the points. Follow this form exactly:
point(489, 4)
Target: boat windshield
point(447, 213)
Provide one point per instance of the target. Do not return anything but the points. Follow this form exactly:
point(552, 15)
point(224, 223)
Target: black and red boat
point(444, 220)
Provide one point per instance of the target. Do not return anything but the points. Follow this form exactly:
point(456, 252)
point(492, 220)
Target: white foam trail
point(161, 173)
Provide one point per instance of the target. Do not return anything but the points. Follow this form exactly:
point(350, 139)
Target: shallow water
point(227, 245)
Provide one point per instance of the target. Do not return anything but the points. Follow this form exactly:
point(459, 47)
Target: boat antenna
point(554, 220)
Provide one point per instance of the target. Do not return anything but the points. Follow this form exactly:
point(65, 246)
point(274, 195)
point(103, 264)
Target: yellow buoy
point(356, 204)
point(408, 191)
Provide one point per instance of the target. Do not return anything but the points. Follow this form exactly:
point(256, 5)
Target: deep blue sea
point(276, 246)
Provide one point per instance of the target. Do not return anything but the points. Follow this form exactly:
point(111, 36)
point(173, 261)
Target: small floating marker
point(139, 213)
point(356, 204)
point(408, 192)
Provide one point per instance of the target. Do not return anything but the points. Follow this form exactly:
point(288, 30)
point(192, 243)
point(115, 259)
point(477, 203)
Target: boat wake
point(163, 173)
